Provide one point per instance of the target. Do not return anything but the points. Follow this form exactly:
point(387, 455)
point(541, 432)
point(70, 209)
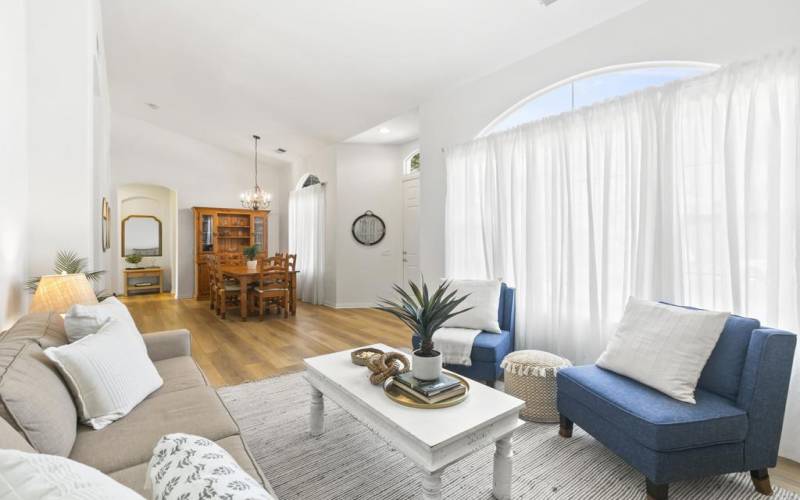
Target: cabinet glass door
point(258, 232)
point(207, 233)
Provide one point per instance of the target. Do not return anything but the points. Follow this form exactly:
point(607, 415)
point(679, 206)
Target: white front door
point(411, 230)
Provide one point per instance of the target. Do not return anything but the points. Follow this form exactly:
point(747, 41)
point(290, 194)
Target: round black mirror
point(368, 229)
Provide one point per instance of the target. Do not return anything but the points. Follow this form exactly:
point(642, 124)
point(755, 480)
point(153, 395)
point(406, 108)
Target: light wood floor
point(231, 351)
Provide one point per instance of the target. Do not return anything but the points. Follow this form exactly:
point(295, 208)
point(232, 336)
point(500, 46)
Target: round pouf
point(531, 376)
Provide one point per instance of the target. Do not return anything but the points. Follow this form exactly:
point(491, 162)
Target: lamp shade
point(58, 292)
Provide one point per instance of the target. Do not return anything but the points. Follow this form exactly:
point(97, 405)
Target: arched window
point(307, 180)
point(411, 165)
point(593, 87)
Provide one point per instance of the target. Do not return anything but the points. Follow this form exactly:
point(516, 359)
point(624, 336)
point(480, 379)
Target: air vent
point(280, 151)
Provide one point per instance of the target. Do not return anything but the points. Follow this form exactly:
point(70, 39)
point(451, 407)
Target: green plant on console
point(424, 313)
point(250, 252)
point(68, 262)
point(133, 258)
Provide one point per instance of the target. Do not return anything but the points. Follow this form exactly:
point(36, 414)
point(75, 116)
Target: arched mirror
point(141, 235)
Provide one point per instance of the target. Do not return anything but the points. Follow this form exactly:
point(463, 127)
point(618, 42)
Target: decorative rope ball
point(531, 376)
point(387, 365)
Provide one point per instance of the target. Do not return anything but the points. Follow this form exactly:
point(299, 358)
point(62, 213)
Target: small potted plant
point(425, 313)
point(133, 259)
point(251, 254)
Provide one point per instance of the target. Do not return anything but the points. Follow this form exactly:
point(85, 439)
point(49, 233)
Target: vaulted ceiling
point(305, 73)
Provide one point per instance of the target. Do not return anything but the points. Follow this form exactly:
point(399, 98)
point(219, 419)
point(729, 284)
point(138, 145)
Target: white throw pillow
point(49, 477)
point(662, 346)
point(109, 373)
point(83, 320)
point(484, 299)
point(188, 466)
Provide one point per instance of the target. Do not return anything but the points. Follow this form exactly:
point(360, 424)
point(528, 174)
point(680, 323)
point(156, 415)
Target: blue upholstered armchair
point(489, 349)
point(734, 427)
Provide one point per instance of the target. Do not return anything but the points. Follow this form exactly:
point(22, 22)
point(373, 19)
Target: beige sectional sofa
point(37, 412)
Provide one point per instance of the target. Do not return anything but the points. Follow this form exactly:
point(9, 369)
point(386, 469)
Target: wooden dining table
point(245, 276)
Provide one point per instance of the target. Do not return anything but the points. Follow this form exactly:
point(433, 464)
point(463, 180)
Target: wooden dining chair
point(272, 288)
point(227, 292)
point(212, 280)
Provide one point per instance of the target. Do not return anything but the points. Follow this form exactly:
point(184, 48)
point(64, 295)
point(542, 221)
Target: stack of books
point(430, 391)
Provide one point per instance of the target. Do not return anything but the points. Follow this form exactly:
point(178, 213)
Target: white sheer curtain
point(686, 193)
point(307, 240)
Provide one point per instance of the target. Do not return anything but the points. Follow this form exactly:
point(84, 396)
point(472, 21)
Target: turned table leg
point(502, 468)
point(243, 310)
point(432, 485)
point(317, 412)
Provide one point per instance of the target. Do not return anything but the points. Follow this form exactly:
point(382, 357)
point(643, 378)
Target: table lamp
point(58, 292)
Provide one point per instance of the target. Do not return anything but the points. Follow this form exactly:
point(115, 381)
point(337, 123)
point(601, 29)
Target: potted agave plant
point(424, 313)
point(251, 253)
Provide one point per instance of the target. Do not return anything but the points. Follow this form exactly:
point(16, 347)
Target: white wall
point(369, 177)
point(13, 161)
point(716, 31)
point(62, 45)
point(158, 201)
point(199, 173)
point(52, 140)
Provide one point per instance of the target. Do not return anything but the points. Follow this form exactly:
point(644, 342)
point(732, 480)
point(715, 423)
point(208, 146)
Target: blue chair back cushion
point(723, 371)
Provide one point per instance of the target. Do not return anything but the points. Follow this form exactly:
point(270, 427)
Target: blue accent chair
point(489, 349)
point(734, 427)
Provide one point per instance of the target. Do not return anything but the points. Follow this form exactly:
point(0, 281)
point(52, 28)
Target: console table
point(138, 274)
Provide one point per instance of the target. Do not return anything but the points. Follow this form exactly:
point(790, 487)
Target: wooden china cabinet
point(224, 230)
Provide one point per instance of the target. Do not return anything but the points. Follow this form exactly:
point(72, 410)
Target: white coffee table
point(432, 439)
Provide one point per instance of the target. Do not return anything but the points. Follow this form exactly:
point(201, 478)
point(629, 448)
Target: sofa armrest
point(763, 391)
point(168, 344)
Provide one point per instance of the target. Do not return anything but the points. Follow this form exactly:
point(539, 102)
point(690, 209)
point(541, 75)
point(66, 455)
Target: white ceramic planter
point(426, 368)
point(252, 265)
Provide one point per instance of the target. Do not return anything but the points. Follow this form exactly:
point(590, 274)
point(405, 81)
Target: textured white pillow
point(109, 373)
point(188, 466)
point(50, 477)
point(664, 347)
point(484, 299)
point(83, 320)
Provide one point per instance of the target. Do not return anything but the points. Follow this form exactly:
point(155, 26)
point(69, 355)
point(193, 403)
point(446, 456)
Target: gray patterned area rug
point(349, 462)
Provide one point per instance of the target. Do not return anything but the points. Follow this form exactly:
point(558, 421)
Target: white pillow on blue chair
point(663, 346)
point(484, 299)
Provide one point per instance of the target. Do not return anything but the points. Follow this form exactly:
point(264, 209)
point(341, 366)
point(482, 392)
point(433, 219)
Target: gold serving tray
point(401, 397)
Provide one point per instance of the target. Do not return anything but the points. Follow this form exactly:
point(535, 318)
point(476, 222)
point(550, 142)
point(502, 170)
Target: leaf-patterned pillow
point(187, 467)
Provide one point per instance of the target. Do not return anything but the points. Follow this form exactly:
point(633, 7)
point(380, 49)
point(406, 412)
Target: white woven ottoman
point(531, 376)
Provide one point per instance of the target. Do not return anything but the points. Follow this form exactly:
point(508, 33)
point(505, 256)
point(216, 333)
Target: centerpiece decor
point(251, 254)
point(133, 259)
point(424, 313)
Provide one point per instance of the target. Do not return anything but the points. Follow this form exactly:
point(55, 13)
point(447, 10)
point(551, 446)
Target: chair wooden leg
point(223, 300)
point(286, 306)
point(260, 309)
point(656, 491)
point(761, 482)
point(565, 429)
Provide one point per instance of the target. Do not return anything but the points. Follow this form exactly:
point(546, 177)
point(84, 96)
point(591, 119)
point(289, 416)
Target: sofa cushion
point(44, 328)
point(35, 400)
point(82, 320)
point(723, 371)
point(196, 411)
point(654, 419)
point(10, 439)
point(134, 477)
point(178, 374)
point(487, 347)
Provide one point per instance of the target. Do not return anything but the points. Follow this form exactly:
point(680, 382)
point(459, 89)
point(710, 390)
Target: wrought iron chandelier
point(256, 198)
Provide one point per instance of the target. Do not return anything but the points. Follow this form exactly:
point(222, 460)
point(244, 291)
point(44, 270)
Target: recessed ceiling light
point(384, 130)
point(152, 105)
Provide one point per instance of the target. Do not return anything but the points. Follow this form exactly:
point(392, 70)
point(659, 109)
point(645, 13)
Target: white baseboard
point(352, 305)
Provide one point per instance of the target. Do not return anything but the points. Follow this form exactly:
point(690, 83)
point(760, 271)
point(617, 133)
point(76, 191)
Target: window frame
point(489, 129)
